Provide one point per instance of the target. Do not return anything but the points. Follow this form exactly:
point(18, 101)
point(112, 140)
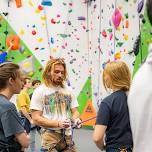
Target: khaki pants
point(51, 142)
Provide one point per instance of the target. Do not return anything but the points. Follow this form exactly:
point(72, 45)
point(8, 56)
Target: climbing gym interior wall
point(86, 33)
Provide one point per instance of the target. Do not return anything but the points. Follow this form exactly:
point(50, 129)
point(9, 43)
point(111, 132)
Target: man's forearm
point(44, 122)
point(75, 115)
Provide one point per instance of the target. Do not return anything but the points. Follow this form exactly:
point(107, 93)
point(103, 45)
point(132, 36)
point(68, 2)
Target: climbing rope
point(100, 52)
point(114, 37)
point(47, 29)
point(140, 43)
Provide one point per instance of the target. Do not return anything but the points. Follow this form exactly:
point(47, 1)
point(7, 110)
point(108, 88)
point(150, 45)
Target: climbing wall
point(24, 57)
point(109, 38)
point(87, 34)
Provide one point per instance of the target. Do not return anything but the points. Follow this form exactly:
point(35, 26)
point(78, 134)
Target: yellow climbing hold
point(54, 50)
point(26, 65)
point(126, 37)
point(40, 39)
point(22, 32)
point(117, 56)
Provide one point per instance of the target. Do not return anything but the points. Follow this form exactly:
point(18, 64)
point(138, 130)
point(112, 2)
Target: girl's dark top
point(113, 113)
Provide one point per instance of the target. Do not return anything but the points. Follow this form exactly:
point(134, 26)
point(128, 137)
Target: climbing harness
point(63, 139)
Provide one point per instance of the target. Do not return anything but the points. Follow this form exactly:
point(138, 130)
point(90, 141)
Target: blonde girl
point(113, 117)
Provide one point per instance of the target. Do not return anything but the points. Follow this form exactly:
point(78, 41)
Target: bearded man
point(53, 106)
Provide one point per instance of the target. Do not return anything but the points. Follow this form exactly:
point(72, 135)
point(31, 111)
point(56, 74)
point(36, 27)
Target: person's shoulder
point(105, 101)
point(115, 98)
point(22, 92)
point(119, 94)
point(4, 100)
point(42, 88)
point(6, 105)
point(108, 100)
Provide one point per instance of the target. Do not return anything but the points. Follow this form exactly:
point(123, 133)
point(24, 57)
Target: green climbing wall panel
point(19, 56)
point(85, 95)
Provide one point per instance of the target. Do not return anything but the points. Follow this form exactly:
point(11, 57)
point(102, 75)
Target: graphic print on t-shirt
point(57, 106)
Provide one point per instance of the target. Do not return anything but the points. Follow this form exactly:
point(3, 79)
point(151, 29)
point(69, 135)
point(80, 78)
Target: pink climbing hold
point(116, 18)
point(111, 36)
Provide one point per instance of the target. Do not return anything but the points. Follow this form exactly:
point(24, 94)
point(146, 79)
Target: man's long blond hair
point(120, 76)
point(49, 67)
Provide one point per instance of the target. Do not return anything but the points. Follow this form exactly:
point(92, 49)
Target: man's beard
point(58, 83)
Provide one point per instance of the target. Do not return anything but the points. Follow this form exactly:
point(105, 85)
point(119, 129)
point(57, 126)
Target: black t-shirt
point(10, 123)
point(113, 113)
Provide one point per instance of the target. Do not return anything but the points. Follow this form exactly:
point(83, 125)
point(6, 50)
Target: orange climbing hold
point(1, 17)
point(13, 40)
point(18, 3)
point(127, 24)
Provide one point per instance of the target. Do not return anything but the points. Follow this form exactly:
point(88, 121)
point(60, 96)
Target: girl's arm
point(98, 136)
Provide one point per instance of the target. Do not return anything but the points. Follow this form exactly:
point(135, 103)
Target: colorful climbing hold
point(46, 3)
point(33, 32)
point(18, 3)
point(116, 18)
point(140, 5)
point(117, 56)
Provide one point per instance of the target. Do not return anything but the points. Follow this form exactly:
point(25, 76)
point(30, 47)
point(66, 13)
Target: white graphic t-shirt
point(55, 102)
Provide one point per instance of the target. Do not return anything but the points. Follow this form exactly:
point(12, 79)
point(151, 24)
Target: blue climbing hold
point(2, 56)
point(46, 3)
point(52, 40)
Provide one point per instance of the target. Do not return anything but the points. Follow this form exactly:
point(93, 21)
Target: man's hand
point(77, 123)
point(64, 124)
